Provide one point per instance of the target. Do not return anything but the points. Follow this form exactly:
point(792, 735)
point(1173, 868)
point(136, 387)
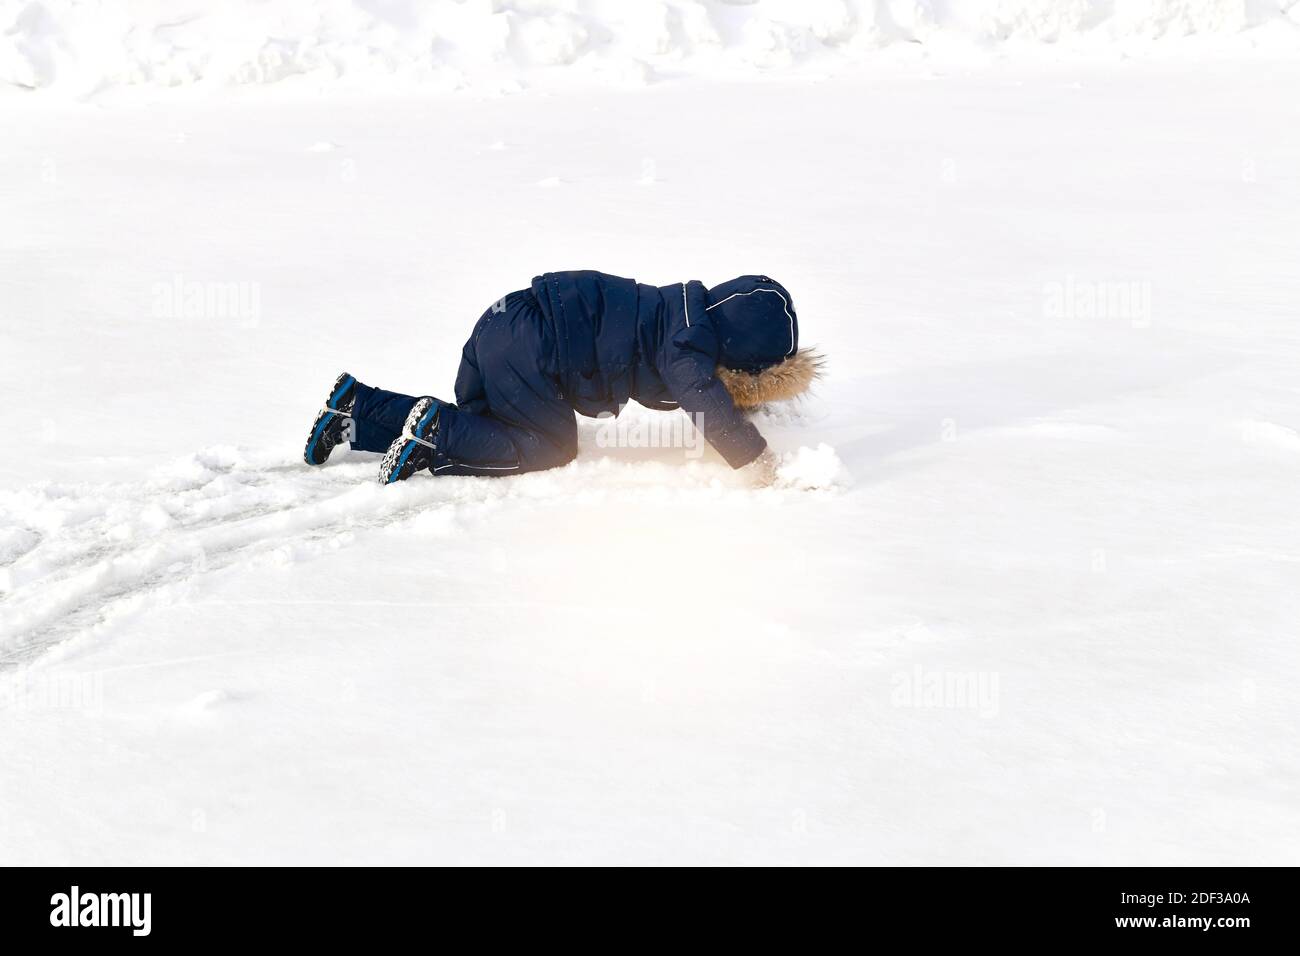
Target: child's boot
point(333, 422)
point(413, 450)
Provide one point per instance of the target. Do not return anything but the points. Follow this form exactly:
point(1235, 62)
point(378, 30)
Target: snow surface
point(1025, 590)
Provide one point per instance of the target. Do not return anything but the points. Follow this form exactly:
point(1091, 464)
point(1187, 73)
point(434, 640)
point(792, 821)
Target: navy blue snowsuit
point(587, 342)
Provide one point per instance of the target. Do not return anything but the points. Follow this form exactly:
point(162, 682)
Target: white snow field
point(1026, 592)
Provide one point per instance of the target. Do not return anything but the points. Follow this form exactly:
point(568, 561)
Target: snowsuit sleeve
point(686, 365)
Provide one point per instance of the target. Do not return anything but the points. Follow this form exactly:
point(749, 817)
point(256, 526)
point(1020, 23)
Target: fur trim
point(786, 380)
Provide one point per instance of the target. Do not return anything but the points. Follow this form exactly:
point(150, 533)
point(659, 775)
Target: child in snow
point(585, 342)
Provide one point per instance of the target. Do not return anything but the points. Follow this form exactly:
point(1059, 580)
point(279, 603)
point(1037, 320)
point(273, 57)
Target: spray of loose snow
point(809, 469)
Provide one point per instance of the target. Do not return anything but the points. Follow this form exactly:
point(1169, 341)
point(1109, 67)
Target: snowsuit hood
point(759, 359)
point(756, 323)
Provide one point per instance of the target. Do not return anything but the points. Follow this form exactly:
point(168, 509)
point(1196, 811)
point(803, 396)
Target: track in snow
point(74, 556)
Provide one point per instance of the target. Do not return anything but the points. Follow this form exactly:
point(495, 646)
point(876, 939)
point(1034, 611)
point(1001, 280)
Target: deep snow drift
point(1025, 593)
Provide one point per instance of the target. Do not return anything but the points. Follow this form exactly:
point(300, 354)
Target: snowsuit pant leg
point(378, 417)
point(510, 415)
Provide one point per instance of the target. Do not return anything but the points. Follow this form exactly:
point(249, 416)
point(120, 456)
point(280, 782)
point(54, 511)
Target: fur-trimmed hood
point(781, 382)
point(759, 358)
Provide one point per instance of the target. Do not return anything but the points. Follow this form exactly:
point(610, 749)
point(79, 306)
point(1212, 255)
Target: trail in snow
point(97, 548)
point(76, 555)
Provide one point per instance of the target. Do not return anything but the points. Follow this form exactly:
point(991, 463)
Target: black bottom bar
point(1222, 907)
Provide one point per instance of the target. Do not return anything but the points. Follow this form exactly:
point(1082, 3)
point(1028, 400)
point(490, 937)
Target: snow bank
point(502, 45)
